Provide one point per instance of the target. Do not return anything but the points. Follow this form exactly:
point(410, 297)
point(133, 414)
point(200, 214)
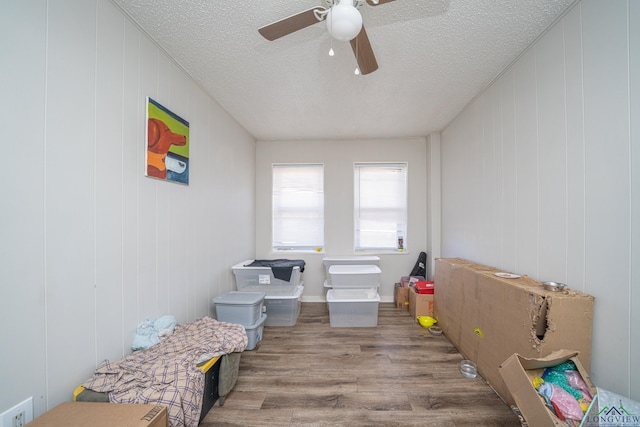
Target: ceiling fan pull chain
point(357, 70)
point(331, 52)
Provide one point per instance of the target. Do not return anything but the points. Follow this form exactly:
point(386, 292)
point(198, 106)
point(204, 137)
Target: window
point(380, 207)
point(298, 207)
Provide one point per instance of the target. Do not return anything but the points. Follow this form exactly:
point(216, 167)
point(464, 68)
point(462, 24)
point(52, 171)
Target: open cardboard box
point(401, 296)
point(518, 373)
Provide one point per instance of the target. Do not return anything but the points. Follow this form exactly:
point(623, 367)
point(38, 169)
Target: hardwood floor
point(395, 374)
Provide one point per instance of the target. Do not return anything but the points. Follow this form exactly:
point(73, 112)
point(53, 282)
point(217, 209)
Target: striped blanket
point(167, 373)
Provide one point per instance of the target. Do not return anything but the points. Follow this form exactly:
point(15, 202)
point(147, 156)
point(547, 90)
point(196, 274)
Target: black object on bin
point(281, 268)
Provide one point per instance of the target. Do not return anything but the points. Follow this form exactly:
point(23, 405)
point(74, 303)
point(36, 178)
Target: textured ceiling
point(434, 57)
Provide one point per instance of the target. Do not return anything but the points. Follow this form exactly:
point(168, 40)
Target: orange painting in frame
point(167, 138)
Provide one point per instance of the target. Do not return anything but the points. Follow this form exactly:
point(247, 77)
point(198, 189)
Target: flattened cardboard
point(488, 318)
point(82, 414)
point(518, 372)
point(420, 304)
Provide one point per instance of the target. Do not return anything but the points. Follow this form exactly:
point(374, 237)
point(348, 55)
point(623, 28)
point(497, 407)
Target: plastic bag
point(563, 401)
point(557, 375)
point(575, 381)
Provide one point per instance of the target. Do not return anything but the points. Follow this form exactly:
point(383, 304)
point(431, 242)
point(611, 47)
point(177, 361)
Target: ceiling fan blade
point(291, 24)
point(364, 53)
point(378, 2)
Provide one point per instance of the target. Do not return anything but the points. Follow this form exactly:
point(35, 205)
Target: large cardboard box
point(452, 280)
point(82, 414)
point(488, 318)
point(420, 304)
point(518, 373)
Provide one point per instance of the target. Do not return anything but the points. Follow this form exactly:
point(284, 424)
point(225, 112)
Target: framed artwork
point(167, 138)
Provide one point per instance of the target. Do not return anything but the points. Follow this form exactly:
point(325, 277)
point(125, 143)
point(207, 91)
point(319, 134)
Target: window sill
point(381, 253)
point(296, 252)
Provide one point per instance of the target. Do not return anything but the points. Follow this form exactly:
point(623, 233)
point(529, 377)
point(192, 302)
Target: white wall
point(540, 175)
point(433, 188)
point(338, 158)
point(90, 246)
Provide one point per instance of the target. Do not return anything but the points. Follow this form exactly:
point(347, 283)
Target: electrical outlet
point(19, 419)
point(19, 415)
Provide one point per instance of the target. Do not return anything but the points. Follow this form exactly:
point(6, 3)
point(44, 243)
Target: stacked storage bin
point(243, 308)
point(283, 294)
point(353, 291)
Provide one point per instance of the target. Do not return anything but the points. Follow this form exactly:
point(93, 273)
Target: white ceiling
point(434, 57)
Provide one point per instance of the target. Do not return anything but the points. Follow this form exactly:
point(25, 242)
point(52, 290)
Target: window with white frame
point(298, 207)
point(380, 207)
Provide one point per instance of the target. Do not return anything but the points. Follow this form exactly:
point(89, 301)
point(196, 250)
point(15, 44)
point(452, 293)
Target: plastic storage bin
point(254, 332)
point(244, 308)
point(356, 260)
point(283, 310)
point(262, 279)
point(354, 276)
point(353, 307)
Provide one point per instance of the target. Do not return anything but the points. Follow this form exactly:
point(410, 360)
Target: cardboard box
point(395, 293)
point(518, 373)
point(420, 304)
point(82, 414)
point(401, 296)
point(488, 318)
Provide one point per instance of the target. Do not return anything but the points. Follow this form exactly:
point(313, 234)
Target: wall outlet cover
point(26, 407)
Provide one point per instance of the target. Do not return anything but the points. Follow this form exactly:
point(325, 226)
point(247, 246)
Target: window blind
point(298, 207)
point(380, 206)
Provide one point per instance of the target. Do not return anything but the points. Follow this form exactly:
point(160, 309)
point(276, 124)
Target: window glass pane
point(380, 214)
point(298, 207)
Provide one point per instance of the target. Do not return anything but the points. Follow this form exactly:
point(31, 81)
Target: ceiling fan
point(344, 23)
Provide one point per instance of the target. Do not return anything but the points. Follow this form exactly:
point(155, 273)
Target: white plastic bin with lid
point(355, 260)
point(244, 308)
point(283, 310)
point(353, 307)
point(255, 331)
point(262, 279)
point(354, 276)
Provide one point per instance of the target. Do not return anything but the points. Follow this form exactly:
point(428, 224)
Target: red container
point(424, 287)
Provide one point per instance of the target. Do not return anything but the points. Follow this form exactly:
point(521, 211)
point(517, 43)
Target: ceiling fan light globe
point(344, 22)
